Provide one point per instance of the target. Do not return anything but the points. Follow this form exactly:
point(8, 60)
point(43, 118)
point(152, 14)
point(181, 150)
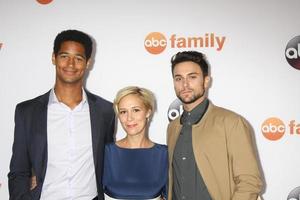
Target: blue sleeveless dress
point(135, 173)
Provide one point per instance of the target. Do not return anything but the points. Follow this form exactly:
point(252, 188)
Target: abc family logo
point(292, 52)
point(44, 1)
point(156, 42)
point(274, 128)
point(294, 194)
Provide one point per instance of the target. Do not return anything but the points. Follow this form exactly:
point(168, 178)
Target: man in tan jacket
point(211, 154)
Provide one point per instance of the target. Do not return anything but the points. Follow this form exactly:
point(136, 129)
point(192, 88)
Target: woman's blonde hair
point(144, 94)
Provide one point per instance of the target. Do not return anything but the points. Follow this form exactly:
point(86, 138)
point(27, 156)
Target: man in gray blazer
point(59, 136)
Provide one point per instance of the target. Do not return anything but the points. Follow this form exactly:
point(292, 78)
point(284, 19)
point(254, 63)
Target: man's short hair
point(193, 56)
point(75, 36)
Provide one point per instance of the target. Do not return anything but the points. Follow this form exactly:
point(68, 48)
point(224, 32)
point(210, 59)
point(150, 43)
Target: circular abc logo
point(273, 128)
point(44, 1)
point(155, 43)
point(294, 194)
point(292, 52)
point(175, 110)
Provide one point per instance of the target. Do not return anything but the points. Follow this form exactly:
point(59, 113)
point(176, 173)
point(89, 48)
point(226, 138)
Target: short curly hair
point(76, 36)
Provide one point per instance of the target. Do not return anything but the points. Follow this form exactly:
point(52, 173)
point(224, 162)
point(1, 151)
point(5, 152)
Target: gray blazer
point(30, 143)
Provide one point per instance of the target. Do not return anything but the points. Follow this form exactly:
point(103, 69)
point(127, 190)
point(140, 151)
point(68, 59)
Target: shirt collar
point(196, 114)
point(53, 98)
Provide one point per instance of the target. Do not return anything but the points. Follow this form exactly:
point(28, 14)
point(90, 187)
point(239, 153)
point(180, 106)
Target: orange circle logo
point(273, 128)
point(155, 43)
point(44, 1)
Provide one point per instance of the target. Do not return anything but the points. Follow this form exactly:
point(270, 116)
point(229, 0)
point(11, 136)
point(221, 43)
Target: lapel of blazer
point(39, 137)
point(96, 123)
point(198, 139)
point(173, 136)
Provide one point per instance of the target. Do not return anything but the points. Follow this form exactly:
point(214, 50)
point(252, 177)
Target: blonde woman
point(135, 167)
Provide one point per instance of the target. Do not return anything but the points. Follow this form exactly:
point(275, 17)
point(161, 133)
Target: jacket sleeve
point(111, 130)
point(246, 174)
point(20, 167)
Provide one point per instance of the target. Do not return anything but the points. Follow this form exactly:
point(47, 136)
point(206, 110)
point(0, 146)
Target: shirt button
point(189, 123)
point(183, 158)
point(183, 197)
point(189, 113)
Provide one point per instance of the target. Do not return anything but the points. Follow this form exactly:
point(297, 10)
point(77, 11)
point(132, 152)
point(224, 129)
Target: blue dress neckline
point(145, 148)
point(137, 173)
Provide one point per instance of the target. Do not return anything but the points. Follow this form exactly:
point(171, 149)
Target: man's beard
point(194, 97)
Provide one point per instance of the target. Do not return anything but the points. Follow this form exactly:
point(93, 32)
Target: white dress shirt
point(70, 173)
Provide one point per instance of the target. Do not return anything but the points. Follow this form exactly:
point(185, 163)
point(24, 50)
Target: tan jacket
point(224, 155)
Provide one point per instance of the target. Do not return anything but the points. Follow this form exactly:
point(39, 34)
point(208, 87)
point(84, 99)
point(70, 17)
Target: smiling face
point(189, 84)
point(133, 115)
point(70, 63)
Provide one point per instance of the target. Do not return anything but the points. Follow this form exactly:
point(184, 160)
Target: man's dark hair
point(75, 36)
point(193, 56)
